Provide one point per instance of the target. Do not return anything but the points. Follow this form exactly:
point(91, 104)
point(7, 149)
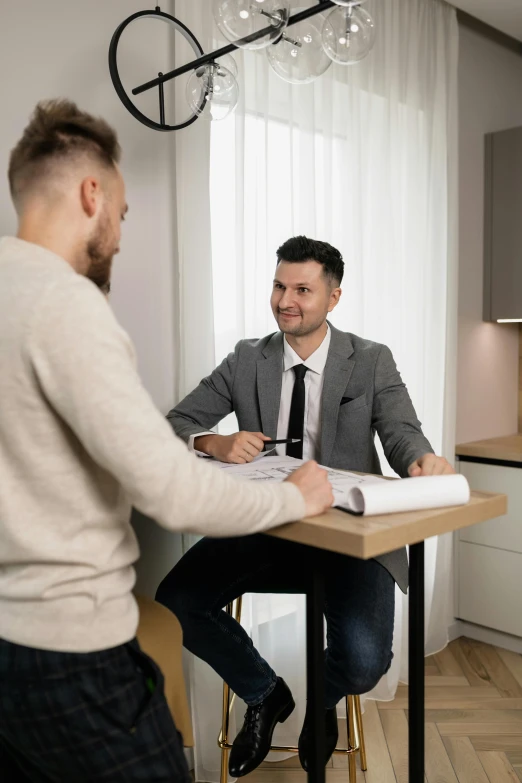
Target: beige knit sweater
point(80, 442)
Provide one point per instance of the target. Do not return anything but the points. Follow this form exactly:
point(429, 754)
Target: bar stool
point(160, 636)
point(353, 722)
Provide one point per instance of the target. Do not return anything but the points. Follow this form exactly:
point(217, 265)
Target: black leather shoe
point(255, 737)
point(332, 735)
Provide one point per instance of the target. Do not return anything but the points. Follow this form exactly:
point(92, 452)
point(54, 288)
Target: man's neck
point(307, 344)
point(58, 242)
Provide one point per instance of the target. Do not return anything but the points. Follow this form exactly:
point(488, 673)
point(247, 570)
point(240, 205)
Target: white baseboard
point(486, 635)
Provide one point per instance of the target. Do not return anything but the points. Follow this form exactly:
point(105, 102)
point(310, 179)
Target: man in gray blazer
point(332, 392)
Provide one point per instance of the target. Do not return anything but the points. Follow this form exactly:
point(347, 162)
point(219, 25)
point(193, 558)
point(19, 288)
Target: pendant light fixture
point(301, 41)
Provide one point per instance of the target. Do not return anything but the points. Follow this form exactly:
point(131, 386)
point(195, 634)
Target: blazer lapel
point(269, 382)
point(337, 373)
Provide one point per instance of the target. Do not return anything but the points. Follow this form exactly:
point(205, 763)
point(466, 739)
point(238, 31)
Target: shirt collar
point(315, 362)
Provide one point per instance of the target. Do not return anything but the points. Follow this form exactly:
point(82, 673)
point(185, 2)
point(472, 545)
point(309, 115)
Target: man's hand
point(239, 448)
point(430, 465)
point(312, 481)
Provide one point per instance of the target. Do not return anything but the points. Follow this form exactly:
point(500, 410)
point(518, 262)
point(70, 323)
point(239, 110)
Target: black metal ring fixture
point(115, 76)
point(201, 59)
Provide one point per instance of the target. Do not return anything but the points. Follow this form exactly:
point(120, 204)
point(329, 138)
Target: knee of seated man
point(367, 677)
point(175, 596)
point(182, 596)
point(361, 666)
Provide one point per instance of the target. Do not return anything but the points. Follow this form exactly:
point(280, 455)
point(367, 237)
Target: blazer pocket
point(348, 404)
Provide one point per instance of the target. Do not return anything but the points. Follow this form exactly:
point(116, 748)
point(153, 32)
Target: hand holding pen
point(239, 448)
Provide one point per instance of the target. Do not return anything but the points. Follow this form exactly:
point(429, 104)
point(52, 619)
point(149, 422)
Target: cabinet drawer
point(502, 532)
point(490, 586)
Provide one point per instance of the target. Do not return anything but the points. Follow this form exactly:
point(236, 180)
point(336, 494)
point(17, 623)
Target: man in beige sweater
point(80, 442)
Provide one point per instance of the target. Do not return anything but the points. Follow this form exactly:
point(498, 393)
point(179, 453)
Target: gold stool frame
point(353, 721)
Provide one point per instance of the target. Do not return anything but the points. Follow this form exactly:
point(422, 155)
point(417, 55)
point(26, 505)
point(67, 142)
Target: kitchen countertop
point(506, 449)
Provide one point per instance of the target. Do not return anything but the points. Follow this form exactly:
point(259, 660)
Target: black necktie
point(297, 409)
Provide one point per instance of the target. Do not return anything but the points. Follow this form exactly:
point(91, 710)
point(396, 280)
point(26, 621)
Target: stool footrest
point(291, 748)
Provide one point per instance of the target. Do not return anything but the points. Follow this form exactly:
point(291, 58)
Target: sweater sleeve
point(85, 366)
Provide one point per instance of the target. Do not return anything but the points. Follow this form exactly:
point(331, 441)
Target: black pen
point(285, 440)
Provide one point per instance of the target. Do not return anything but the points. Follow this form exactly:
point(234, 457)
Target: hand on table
point(313, 483)
point(430, 465)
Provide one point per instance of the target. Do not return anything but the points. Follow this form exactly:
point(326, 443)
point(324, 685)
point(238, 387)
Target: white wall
point(490, 86)
point(59, 48)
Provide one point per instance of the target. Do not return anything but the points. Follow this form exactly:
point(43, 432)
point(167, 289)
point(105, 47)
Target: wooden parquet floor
point(473, 725)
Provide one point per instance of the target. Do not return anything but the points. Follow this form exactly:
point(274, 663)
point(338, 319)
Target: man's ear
point(335, 295)
point(90, 195)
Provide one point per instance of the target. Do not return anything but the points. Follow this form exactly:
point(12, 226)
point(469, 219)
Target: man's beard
point(99, 270)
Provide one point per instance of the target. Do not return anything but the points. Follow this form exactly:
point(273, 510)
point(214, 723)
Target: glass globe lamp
point(299, 57)
point(348, 2)
point(348, 34)
point(212, 91)
point(239, 20)
point(228, 62)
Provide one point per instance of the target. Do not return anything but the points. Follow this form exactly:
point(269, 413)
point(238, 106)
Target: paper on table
point(254, 471)
point(279, 468)
point(366, 495)
point(413, 494)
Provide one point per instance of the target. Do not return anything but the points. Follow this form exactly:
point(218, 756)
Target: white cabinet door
point(490, 587)
point(502, 532)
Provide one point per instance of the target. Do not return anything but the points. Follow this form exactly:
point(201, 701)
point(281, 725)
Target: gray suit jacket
point(363, 394)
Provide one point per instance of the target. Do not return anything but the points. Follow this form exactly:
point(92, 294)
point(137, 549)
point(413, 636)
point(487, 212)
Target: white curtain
point(364, 158)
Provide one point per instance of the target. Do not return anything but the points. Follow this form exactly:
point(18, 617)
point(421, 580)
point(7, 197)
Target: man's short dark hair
point(300, 249)
point(59, 131)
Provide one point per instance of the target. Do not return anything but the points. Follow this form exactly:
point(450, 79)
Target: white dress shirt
point(314, 380)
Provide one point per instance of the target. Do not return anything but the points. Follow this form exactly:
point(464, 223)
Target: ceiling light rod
point(322, 5)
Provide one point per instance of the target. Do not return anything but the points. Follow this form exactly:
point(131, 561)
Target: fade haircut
point(59, 132)
point(300, 249)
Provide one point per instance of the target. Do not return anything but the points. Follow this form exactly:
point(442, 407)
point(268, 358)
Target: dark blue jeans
point(359, 610)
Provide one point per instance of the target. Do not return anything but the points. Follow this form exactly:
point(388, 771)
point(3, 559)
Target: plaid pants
point(95, 717)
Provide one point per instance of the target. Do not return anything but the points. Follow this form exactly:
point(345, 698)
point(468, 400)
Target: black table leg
point(315, 676)
point(416, 664)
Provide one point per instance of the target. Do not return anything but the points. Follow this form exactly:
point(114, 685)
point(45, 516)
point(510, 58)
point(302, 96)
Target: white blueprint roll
point(412, 494)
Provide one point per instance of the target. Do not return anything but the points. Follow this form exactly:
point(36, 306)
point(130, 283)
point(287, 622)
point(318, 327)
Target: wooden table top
point(508, 448)
point(367, 537)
